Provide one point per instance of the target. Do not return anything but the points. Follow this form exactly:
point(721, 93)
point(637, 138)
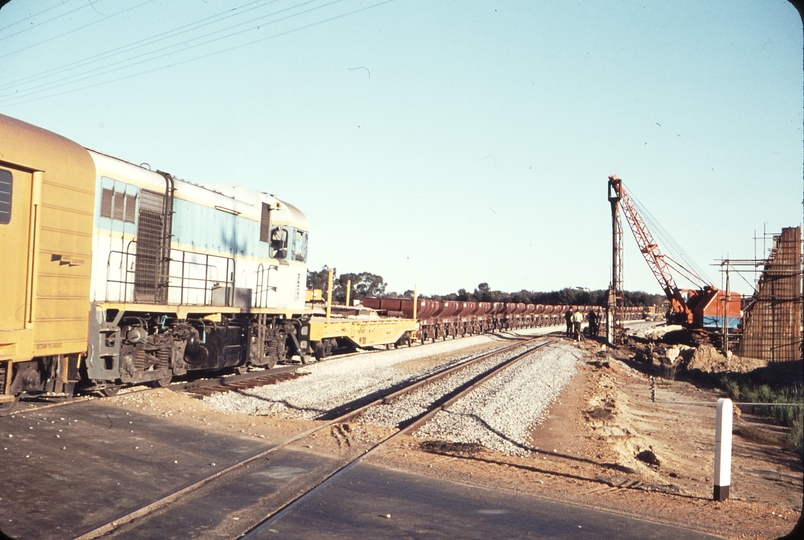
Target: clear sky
point(442, 143)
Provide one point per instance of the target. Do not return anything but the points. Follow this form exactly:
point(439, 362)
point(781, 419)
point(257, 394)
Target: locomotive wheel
point(160, 383)
point(8, 407)
point(275, 350)
point(110, 391)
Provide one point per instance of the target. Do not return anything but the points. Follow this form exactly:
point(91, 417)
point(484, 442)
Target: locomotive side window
point(279, 243)
point(5, 197)
point(118, 205)
point(300, 246)
point(265, 223)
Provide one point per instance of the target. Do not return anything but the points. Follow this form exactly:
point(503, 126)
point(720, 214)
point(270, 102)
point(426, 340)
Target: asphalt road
point(67, 469)
point(376, 502)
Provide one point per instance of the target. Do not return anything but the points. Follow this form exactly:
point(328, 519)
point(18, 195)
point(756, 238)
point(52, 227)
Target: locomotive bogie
point(130, 347)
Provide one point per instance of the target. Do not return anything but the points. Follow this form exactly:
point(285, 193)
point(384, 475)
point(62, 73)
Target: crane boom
point(649, 249)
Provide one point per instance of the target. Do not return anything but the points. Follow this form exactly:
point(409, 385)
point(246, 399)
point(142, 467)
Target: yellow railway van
point(47, 192)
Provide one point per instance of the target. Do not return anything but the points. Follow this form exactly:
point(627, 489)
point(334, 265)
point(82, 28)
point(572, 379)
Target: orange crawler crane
point(708, 307)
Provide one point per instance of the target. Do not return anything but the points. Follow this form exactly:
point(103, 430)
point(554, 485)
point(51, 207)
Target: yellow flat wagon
point(358, 331)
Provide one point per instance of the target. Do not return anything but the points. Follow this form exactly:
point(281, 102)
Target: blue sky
point(442, 143)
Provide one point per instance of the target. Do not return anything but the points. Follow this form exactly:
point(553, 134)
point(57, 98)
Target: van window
point(5, 197)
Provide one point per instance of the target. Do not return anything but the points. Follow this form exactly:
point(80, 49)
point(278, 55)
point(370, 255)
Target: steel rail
point(41, 403)
point(162, 502)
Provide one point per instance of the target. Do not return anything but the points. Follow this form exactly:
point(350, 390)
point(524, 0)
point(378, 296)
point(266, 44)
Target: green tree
point(362, 285)
point(318, 280)
point(639, 298)
point(566, 296)
point(464, 296)
point(483, 292)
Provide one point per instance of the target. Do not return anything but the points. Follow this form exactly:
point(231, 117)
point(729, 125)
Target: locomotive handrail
point(186, 277)
point(263, 284)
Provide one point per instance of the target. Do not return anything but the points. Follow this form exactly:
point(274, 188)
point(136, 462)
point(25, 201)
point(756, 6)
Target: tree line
point(365, 284)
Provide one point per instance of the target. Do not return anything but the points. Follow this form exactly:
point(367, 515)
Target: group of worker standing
point(575, 321)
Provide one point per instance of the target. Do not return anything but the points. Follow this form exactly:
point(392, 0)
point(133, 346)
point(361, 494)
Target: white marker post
point(723, 449)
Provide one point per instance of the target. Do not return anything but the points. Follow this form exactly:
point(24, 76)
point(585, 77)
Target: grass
point(760, 436)
point(745, 390)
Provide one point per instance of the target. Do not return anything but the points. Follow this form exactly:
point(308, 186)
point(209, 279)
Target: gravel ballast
point(411, 405)
point(330, 384)
point(500, 413)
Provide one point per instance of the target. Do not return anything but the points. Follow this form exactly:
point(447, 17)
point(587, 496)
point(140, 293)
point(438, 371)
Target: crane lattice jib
point(644, 239)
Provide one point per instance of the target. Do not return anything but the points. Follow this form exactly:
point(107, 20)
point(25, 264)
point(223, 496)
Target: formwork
point(772, 319)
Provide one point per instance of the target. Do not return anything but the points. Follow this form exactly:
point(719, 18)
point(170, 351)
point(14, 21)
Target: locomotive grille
point(150, 265)
point(118, 205)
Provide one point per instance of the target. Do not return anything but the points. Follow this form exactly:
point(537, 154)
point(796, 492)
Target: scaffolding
point(773, 315)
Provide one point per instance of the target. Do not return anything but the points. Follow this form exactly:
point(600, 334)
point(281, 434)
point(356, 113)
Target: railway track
point(233, 383)
point(241, 489)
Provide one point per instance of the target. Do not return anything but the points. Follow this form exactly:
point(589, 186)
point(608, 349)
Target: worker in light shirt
point(577, 321)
